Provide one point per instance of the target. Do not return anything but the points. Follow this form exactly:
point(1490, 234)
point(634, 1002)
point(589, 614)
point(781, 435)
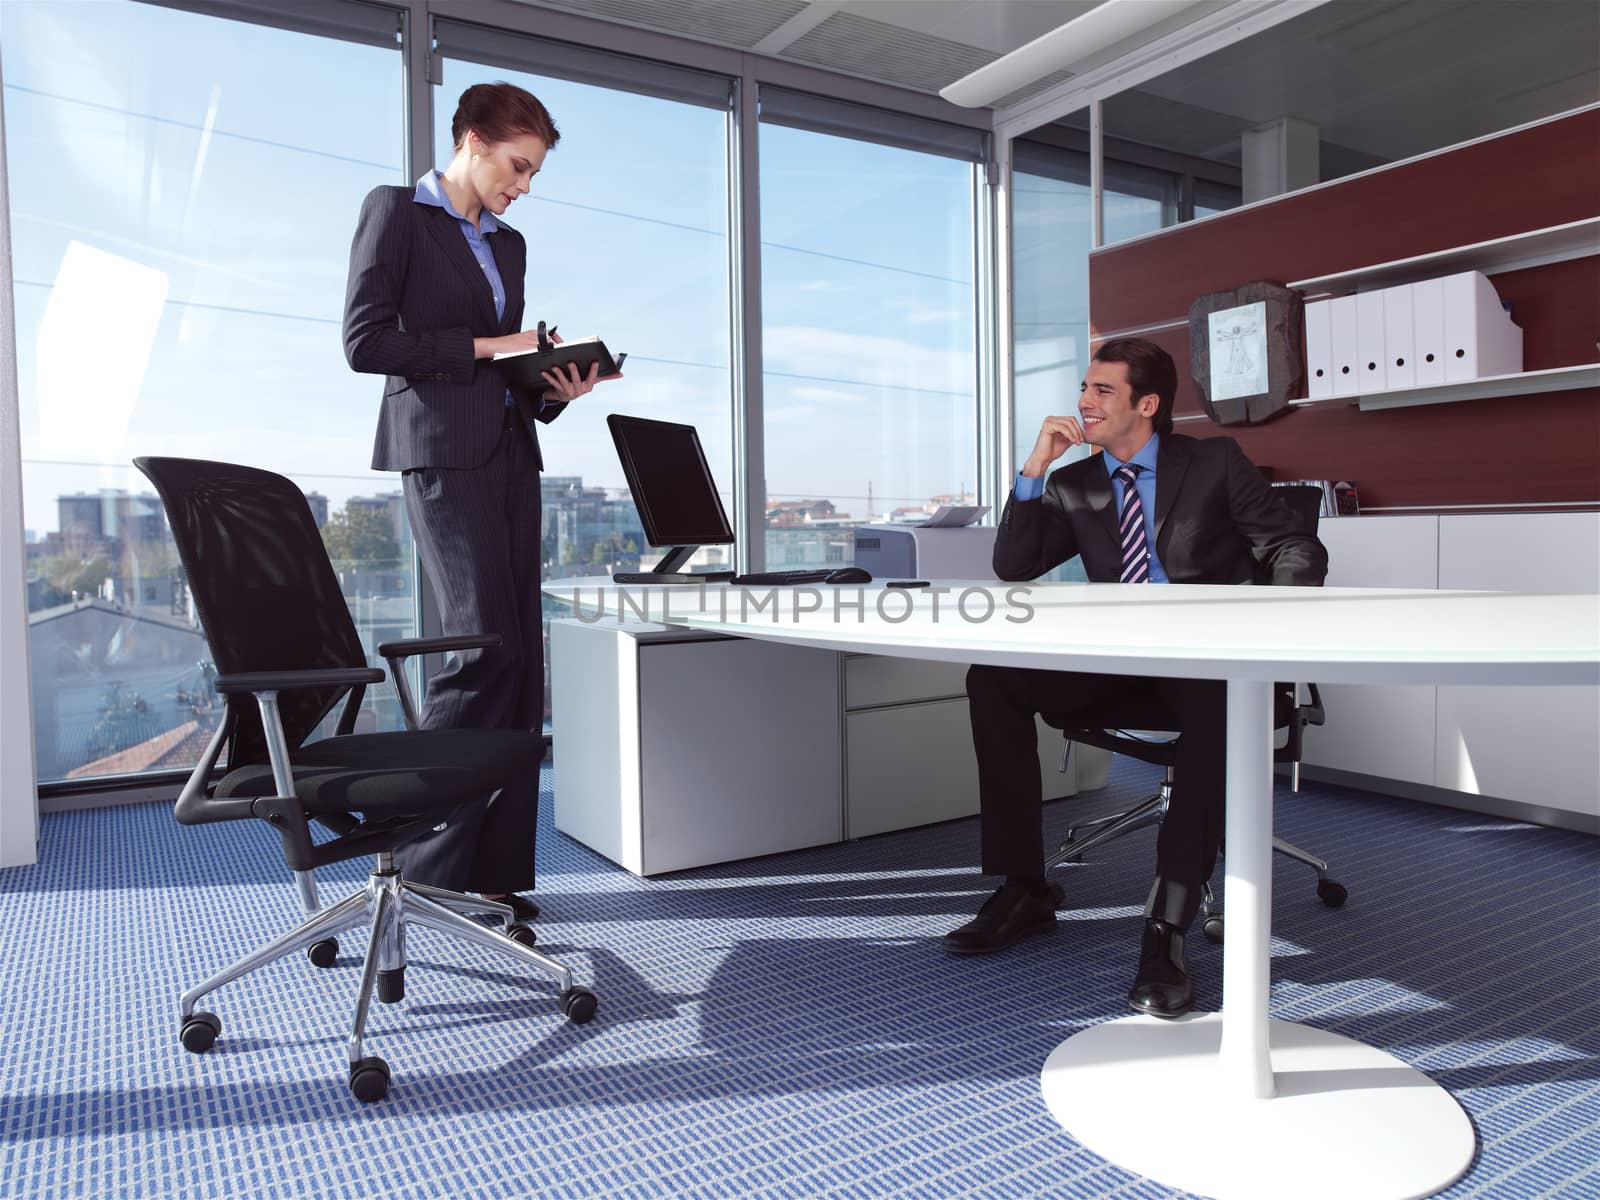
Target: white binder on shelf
point(1399, 337)
point(1319, 356)
point(1479, 338)
point(1342, 340)
point(1427, 325)
point(1370, 353)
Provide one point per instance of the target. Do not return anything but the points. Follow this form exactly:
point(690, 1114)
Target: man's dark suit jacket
point(1216, 521)
point(415, 300)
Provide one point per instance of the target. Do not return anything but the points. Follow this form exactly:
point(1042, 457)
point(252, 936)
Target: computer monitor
point(673, 490)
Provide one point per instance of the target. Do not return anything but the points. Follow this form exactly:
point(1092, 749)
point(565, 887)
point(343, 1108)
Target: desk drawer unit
point(871, 681)
point(908, 747)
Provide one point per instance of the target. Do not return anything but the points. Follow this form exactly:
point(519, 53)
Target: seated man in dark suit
point(1153, 507)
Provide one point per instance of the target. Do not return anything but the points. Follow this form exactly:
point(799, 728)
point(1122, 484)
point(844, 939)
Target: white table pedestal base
point(1348, 1119)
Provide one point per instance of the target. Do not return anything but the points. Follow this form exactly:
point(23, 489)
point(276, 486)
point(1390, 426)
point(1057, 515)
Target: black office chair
point(280, 632)
point(1291, 716)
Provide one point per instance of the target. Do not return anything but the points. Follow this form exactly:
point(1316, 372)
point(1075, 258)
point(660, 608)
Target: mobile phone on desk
point(907, 583)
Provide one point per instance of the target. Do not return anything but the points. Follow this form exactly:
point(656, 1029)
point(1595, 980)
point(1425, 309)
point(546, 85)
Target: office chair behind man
point(1160, 747)
point(281, 634)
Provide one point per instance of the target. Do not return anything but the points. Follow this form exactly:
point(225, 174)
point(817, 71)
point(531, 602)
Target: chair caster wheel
point(369, 1079)
point(323, 953)
point(1332, 893)
point(1212, 928)
point(522, 935)
point(1058, 895)
point(200, 1032)
point(579, 1004)
point(391, 985)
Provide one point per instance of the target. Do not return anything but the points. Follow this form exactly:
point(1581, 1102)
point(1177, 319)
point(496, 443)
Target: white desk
point(1280, 1108)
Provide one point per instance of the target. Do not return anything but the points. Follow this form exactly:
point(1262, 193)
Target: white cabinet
point(908, 764)
point(908, 747)
point(1537, 745)
point(678, 748)
point(1382, 731)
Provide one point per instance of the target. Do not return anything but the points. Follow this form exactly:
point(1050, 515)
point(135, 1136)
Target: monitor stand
point(667, 571)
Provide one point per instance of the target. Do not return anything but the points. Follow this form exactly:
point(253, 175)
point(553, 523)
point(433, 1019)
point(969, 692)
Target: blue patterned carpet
point(783, 1027)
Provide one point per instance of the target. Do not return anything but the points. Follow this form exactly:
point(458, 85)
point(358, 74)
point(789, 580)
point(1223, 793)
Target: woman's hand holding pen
point(565, 382)
point(511, 343)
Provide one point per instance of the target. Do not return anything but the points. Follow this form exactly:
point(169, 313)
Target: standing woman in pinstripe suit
point(435, 291)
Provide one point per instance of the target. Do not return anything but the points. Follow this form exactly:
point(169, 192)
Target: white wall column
point(1281, 156)
point(19, 789)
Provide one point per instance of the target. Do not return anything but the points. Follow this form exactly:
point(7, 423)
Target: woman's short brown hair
point(500, 111)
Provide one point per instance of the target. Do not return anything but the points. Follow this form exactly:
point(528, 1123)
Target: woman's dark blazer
point(415, 300)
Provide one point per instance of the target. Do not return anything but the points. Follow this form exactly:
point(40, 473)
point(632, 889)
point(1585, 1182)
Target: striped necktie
point(1130, 528)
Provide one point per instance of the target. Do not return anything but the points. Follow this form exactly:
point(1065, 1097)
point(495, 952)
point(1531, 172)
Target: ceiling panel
point(737, 23)
point(888, 53)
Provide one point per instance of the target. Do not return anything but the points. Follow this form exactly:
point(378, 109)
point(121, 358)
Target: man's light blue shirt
point(1032, 487)
point(431, 191)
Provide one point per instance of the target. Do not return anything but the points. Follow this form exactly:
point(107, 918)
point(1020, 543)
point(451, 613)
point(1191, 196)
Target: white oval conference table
point(1280, 1109)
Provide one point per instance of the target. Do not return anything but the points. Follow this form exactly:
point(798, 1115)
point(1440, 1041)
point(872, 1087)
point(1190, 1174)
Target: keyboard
point(779, 578)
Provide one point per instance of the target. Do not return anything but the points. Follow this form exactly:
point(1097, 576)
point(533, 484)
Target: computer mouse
point(849, 575)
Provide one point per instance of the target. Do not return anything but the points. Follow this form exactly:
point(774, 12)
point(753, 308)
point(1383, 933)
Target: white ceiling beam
point(1099, 29)
point(796, 27)
point(1207, 35)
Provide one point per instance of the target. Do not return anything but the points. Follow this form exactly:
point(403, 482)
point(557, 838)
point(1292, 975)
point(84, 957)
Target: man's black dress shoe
point(1006, 917)
point(1162, 988)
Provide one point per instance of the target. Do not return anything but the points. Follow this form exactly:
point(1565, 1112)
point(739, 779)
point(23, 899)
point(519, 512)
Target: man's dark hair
point(500, 111)
point(1150, 371)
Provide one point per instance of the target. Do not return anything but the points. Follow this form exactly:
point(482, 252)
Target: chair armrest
point(1314, 712)
point(272, 681)
point(406, 647)
point(397, 652)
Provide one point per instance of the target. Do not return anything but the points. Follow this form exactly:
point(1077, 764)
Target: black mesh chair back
point(265, 591)
point(1305, 501)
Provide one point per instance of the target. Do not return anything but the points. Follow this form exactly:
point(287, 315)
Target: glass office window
point(182, 193)
point(627, 231)
point(868, 338)
point(1138, 199)
point(1346, 87)
point(1210, 198)
point(1051, 239)
point(1149, 185)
